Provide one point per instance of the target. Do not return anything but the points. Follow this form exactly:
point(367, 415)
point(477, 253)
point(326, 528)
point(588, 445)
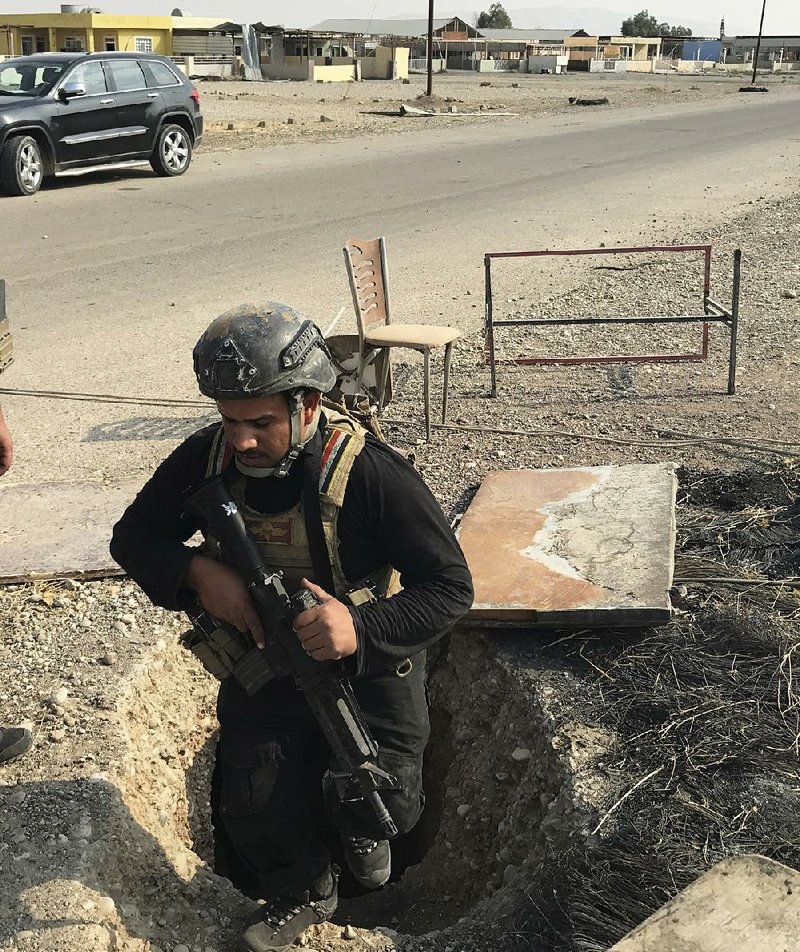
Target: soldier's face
point(259, 430)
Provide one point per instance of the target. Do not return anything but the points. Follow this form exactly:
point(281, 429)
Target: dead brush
point(705, 713)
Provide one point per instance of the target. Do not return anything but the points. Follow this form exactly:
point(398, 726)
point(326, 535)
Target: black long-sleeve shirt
point(388, 516)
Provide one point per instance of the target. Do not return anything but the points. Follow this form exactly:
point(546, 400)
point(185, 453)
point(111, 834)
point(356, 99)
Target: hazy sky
point(741, 16)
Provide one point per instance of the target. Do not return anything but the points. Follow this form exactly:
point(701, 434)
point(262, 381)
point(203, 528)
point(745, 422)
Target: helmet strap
point(295, 436)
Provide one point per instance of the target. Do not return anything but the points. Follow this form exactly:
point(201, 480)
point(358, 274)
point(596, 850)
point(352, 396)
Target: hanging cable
point(771, 446)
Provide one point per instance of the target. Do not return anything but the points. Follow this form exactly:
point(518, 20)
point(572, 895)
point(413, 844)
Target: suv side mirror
point(71, 90)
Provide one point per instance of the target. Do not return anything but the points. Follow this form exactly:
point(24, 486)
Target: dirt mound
point(575, 780)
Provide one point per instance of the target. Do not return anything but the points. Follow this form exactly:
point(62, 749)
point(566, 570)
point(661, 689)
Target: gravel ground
point(616, 403)
point(595, 415)
point(98, 820)
point(97, 823)
point(293, 112)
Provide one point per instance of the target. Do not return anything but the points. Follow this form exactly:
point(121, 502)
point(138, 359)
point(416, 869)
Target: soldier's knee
point(406, 810)
point(406, 802)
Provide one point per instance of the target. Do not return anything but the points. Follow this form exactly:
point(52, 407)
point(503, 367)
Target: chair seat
point(411, 335)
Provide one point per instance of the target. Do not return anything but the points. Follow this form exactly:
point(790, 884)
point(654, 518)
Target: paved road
point(99, 268)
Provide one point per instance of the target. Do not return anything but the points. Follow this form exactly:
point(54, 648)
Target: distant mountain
point(595, 20)
point(592, 19)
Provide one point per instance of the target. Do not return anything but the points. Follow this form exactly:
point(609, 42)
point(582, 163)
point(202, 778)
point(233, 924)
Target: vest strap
point(312, 512)
point(220, 454)
point(327, 462)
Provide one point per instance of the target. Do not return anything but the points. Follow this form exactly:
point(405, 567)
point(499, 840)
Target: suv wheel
point(173, 151)
point(21, 166)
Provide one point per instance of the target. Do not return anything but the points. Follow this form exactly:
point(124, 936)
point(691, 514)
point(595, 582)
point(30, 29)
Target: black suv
point(69, 113)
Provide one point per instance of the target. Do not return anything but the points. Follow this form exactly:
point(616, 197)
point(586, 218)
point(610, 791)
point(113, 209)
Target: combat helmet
point(257, 350)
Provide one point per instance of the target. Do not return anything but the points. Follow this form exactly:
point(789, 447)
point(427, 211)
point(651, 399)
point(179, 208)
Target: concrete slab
point(587, 547)
point(746, 902)
point(60, 530)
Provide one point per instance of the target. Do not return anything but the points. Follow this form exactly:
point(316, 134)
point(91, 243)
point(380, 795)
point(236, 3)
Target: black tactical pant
point(272, 823)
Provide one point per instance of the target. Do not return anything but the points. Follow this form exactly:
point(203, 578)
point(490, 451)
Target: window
point(143, 44)
point(27, 45)
point(74, 44)
point(158, 74)
point(28, 77)
point(92, 76)
point(127, 74)
point(41, 44)
point(110, 43)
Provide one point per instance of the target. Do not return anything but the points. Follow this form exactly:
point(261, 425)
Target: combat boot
point(14, 741)
point(276, 924)
point(370, 861)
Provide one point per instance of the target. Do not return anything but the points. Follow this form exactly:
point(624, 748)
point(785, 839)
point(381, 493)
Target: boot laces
point(360, 845)
point(281, 910)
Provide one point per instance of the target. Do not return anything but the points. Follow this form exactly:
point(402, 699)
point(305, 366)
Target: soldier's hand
point(222, 593)
point(6, 447)
point(327, 630)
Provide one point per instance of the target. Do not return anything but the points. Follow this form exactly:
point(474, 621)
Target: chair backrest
point(369, 281)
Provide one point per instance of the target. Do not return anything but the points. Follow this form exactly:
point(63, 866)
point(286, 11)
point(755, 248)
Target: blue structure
point(707, 49)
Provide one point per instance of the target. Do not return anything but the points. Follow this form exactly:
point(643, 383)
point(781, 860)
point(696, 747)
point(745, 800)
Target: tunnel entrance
point(552, 823)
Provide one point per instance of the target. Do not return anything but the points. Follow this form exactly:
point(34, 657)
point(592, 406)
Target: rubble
point(259, 115)
point(582, 101)
point(531, 776)
point(104, 836)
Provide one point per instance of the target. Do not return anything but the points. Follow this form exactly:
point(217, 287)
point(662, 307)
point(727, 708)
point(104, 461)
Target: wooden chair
point(368, 274)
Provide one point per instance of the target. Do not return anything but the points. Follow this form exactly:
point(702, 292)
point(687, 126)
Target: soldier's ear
point(311, 400)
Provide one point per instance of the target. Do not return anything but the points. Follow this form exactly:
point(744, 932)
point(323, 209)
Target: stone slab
point(590, 547)
point(60, 530)
point(746, 902)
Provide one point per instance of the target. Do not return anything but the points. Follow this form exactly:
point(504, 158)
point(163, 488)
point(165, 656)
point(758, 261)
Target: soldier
point(337, 511)
point(14, 741)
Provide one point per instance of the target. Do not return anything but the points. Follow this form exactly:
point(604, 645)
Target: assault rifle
point(326, 690)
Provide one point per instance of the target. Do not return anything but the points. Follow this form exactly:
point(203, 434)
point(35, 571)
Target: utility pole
point(430, 47)
point(758, 42)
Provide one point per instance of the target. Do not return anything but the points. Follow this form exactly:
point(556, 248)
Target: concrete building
point(68, 31)
point(205, 38)
point(583, 49)
point(775, 50)
point(333, 55)
point(205, 46)
point(504, 49)
point(376, 30)
point(456, 43)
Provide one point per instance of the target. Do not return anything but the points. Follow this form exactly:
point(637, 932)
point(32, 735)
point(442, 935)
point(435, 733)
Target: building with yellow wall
point(212, 44)
point(25, 33)
point(582, 49)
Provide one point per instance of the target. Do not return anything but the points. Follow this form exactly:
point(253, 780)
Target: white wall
point(601, 66)
point(556, 63)
point(498, 66)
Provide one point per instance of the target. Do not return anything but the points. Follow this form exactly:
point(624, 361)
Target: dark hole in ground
point(518, 869)
point(357, 906)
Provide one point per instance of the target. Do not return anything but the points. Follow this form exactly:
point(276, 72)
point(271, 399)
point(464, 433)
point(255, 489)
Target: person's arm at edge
point(6, 446)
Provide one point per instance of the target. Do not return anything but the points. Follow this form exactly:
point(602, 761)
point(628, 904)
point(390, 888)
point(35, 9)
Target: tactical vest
point(282, 538)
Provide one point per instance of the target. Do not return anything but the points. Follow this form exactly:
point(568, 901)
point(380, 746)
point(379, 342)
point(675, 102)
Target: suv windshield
point(29, 76)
